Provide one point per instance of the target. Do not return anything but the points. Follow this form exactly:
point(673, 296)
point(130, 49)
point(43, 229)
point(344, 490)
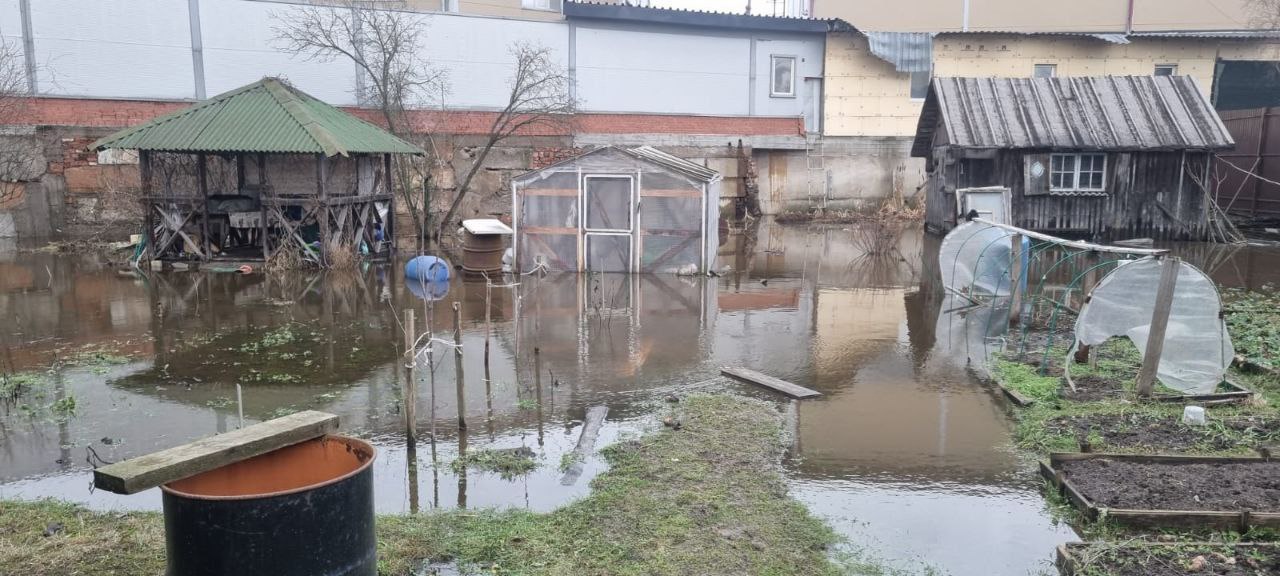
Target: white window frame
point(545, 5)
point(1172, 68)
point(1052, 68)
point(1075, 172)
point(774, 59)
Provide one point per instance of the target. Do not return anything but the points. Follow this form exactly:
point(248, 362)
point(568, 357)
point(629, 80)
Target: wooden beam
point(322, 191)
point(144, 175)
point(389, 227)
point(203, 170)
point(586, 443)
point(1159, 323)
point(262, 208)
point(775, 384)
point(144, 472)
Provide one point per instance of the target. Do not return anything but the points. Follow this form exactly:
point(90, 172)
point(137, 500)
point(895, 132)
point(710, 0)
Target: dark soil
point(1219, 487)
point(1177, 560)
point(1164, 433)
point(1094, 388)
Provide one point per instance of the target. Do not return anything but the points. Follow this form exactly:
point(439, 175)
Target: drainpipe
point(1128, 21)
point(29, 47)
point(965, 25)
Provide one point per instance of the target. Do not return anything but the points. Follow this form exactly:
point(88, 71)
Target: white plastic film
point(1197, 347)
point(975, 258)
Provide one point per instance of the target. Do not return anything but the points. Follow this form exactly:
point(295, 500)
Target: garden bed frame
point(1237, 393)
point(1069, 564)
point(1239, 520)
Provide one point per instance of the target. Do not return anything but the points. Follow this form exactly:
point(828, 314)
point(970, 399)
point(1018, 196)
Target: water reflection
point(905, 452)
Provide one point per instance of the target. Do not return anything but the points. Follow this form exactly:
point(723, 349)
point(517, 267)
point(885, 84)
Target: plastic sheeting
point(974, 259)
point(907, 51)
point(1197, 347)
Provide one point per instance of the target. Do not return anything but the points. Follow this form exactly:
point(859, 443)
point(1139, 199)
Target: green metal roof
point(267, 116)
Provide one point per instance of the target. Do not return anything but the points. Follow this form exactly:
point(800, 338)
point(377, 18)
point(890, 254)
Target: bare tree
point(384, 45)
point(540, 96)
point(20, 158)
point(1263, 14)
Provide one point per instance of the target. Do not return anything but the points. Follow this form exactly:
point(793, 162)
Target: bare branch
point(541, 97)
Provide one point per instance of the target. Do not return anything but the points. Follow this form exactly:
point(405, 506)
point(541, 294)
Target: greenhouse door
point(607, 223)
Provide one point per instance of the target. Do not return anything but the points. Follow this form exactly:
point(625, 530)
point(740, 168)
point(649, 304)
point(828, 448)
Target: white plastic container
point(1193, 415)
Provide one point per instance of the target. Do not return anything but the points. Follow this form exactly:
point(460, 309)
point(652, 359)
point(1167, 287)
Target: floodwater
point(907, 453)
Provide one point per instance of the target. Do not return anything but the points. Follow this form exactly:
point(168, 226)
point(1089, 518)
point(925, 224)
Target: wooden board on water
point(775, 384)
point(144, 472)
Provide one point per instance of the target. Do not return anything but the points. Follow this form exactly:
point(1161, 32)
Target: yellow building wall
point(866, 96)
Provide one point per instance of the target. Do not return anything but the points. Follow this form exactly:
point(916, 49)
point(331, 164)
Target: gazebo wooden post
point(389, 226)
point(149, 218)
point(262, 207)
point(204, 193)
point(322, 213)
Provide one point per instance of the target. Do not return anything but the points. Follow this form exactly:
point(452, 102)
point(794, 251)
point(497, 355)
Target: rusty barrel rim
point(355, 443)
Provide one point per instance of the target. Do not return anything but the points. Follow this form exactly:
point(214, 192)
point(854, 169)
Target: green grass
point(1254, 321)
point(506, 463)
point(1026, 380)
point(707, 499)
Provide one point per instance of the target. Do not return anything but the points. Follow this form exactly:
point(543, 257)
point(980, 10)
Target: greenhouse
point(618, 210)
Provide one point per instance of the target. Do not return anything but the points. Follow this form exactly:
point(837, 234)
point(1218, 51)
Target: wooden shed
point(1105, 158)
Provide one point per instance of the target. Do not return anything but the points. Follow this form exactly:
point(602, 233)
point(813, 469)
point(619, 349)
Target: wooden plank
point(654, 193)
point(138, 474)
point(777, 385)
point(1159, 323)
point(1059, 457)
point(549, 230)
point(586, 443)
point(1015, 282)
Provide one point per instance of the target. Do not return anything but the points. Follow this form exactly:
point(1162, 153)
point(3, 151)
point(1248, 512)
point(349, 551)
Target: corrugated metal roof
point(267, 116)
point(907, 51)
point(1082, 113)
point(653, 14)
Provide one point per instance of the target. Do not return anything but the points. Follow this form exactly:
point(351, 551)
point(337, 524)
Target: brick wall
point(123, 113)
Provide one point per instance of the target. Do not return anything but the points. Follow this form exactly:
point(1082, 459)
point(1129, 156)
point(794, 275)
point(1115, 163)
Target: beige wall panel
point(867, 97)
point(1040, 15)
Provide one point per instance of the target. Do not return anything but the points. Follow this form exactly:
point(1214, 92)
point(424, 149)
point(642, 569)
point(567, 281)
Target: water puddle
point(906, 453)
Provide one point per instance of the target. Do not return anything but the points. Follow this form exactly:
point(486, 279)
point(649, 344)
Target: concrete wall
point(842, 173)
point(867, 97)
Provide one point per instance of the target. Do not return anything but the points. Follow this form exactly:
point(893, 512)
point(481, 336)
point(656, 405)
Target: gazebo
point(263, 169)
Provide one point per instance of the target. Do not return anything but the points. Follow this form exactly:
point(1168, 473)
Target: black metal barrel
point(303, 510)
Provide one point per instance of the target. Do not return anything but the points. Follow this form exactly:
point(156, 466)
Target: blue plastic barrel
point(427, 269)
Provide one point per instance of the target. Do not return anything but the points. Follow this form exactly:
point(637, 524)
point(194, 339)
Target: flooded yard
point(907, 453)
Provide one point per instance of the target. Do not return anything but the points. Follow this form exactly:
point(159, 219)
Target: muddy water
point(906, 453)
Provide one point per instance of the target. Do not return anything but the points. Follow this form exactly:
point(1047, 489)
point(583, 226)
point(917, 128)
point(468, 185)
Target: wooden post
point(203, 171)
point(322, 193)
point(1169, 268)
point(149, 219)
point(488, 316)
point(410, 384)
point(262, 207)
point(457, 365)
point(1015, 280)
point(389, 226)
point(240, 404)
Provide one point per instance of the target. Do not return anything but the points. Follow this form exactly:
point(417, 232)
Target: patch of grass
point(526, 404)
point(13, 387)
point(1026, 380)
point(1254, 321)
point(707, 499)
point(506, 463)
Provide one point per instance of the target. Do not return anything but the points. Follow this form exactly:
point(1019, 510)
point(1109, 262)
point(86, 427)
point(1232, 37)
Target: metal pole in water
point(457, 364)
point(240, 404)
point(410, 393)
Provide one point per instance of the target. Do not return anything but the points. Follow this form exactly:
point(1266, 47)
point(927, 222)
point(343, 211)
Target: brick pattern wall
point(543, 157)
point(123, 113)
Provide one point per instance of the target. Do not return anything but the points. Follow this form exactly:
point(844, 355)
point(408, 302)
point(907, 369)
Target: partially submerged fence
point(1250, 185)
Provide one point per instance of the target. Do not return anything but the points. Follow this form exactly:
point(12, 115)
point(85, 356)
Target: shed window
point(783, 79)
point(1045, 70)
point(1071, 172)
point(1166, 70)
point(920, 84)
point(540, 4)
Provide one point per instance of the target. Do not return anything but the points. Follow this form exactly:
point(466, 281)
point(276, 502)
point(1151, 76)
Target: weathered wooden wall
point(1148, 195)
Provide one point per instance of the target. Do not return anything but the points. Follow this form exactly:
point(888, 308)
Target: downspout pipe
point(1128, 20)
